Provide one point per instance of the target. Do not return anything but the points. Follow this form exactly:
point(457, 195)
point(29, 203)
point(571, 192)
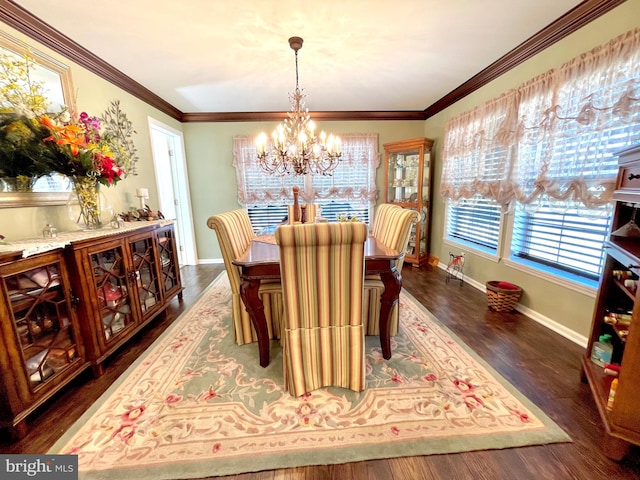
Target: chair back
point(234, 232)
point(322, 272)
point(392, 226)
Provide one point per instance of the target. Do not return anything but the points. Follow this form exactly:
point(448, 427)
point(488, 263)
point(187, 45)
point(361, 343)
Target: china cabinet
point(170, 282)
point(615, 329)
point(408, 179)
point(126, 281)
point(71, 301)
point(42, 350)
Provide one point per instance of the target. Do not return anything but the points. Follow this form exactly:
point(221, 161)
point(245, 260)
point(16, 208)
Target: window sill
point(567, 280)
point(473, 248)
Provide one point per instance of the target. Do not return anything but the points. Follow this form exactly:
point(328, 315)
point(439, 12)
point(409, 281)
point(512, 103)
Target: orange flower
point(71, 135)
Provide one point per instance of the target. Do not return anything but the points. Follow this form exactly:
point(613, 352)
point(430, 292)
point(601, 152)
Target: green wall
point(212, 178)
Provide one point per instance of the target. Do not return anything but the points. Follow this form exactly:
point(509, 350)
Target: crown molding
point(30, 25)
point(573, 20)
point(17, 17)
point(279, 116)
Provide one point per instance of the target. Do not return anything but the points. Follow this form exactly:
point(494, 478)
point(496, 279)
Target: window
point(475, 224)
point(566, 160)
point(548, 146)
point(562, 241)
point(350, 191)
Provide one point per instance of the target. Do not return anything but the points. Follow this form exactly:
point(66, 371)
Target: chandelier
point(295, 149)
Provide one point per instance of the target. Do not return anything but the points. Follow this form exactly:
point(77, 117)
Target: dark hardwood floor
point(543, 365)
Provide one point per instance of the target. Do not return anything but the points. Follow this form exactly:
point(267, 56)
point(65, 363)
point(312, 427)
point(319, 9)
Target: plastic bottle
point(612, 393)
point(602, 350)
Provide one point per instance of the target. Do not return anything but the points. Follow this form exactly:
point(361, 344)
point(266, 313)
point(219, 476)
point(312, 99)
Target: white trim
point(553, 325)
point(184, 217)
point(553, 278)
point(464, 246)
point(535, 316)
point(210, 261)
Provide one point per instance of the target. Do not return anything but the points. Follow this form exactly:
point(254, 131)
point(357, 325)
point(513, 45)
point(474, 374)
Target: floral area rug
point(197, 405)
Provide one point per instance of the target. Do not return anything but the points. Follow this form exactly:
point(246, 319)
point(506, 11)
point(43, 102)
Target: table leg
point(392, 285)
point(255, 308)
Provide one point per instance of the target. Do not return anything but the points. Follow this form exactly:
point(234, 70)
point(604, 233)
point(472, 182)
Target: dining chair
point(322, 274)
point(392, 227)
point(235, 232)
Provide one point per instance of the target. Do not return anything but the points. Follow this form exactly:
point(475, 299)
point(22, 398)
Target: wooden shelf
point(622, 420)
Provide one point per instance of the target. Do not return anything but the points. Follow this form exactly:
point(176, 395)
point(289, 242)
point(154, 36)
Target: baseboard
point(533, 315)
point(208, 261)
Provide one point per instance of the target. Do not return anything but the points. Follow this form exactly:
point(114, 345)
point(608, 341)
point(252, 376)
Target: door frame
point(185, 232)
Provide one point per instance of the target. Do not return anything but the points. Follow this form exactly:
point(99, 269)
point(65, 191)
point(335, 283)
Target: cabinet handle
point(633, 177)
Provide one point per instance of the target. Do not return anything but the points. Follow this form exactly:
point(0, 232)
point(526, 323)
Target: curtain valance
point(553, 137)
point(353, 180)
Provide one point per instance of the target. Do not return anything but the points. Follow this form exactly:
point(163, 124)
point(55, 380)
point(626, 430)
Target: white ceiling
point(358, 55)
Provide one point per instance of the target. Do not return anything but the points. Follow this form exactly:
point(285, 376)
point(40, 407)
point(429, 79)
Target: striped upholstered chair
point(234, 232)
point(322, 271)
point(392, 226)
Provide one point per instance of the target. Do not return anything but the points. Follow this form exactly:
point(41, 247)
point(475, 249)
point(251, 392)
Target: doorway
point(172, 183)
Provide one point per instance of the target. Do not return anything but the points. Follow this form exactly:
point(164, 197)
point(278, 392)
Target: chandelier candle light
point(295, 149)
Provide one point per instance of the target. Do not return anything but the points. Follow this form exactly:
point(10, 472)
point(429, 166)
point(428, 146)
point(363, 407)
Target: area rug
point(197, 405)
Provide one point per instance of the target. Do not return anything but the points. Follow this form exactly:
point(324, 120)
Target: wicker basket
point(502, 299)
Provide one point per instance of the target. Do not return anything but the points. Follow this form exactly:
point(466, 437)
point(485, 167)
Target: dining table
point(261, 262)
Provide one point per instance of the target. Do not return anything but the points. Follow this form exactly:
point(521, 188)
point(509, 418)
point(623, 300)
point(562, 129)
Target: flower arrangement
point(35, 142)
point(79, 150)
point(23, 155)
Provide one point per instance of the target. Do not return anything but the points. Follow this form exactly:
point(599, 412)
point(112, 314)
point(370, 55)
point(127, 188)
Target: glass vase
point(87, 205)
point(21, 184)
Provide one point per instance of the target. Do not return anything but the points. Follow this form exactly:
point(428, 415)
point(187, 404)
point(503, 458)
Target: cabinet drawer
point(629, 178)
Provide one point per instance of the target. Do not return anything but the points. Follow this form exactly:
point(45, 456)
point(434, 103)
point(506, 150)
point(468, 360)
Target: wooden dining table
point(261, 261)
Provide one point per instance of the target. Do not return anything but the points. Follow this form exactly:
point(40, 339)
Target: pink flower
point(395, 431)
point(209, 394)
point(472, 402)
point(463, 386)
point(216, 447)
point(173, 398)
point(125, 432)
point(430, 377)
point(133, 414)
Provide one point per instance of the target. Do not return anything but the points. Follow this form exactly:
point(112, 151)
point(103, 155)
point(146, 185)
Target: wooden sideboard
point(70, 302)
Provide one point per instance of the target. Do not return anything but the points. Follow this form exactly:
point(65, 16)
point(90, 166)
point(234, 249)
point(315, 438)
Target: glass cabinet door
point(40, 312)
point(408, 177)
point(169, 268)
point(110, 278)
point(146, 278)
point(404, 177)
